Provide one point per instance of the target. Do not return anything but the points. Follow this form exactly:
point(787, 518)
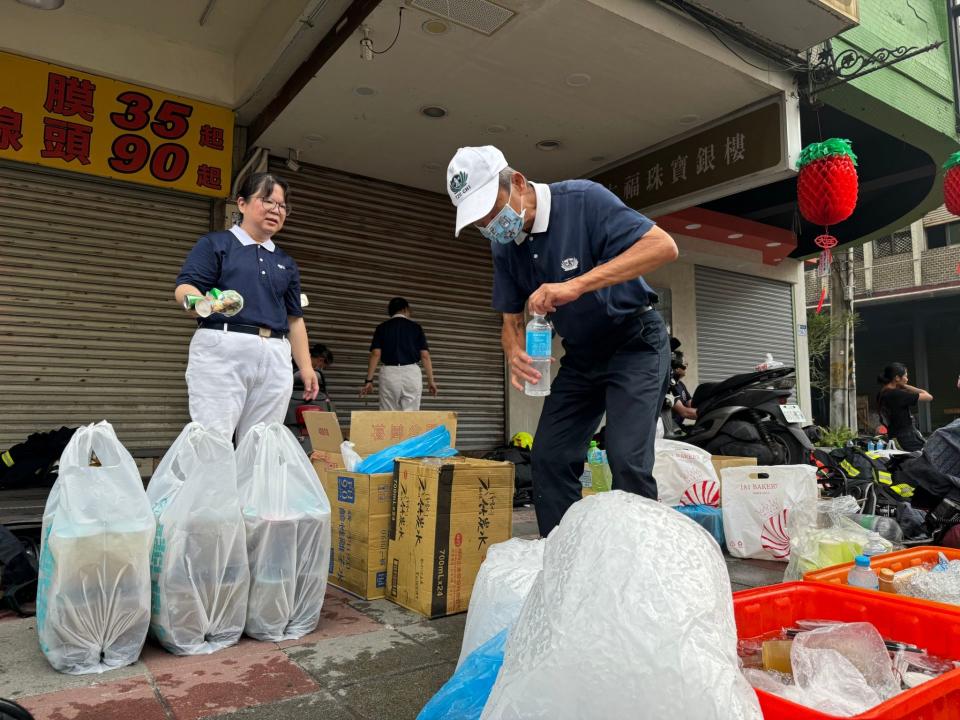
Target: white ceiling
point(176, 20)
point(643, 85)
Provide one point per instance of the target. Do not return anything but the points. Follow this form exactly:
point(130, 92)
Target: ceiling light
point(433, 111)
point(435, 26)
point(496, 129)
point(689, 119)
point(364, 91)
point(293, 160)
point(692, 226)
point(548, 145)
point(734, 236)
point(774, 244)
point(578, 80)
point(42, 4)
point(315, 138)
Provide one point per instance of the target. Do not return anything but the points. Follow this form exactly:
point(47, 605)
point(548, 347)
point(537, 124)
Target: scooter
point(750, 415)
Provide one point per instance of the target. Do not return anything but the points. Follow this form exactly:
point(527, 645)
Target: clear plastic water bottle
point(880, 445)
point(539, 347)
point(874, 545)
point(871, 446)
point(861, 575)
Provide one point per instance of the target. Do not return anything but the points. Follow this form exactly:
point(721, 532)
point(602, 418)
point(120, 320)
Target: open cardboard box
point(360, 504)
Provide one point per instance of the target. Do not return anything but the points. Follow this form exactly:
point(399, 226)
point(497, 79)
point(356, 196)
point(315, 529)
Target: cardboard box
point(360, 519)
point(360, 504)
point(370, 431)
point(444, 516)
point(727, 461)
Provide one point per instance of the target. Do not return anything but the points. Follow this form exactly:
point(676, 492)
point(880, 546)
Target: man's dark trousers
point(623, 373)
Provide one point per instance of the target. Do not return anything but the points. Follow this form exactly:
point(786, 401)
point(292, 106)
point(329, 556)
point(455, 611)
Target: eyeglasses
point(269, 204)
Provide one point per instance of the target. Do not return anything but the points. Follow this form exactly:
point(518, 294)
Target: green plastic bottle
point(599, 469)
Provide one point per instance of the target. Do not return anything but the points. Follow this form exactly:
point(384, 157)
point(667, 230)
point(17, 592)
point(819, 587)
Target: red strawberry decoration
point(951, 183)
point(827, 184)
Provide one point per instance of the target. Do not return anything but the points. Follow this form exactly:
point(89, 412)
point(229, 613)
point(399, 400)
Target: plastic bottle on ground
point(874, 545)
point(599, 471)
point(539, 348)
point(861, 575)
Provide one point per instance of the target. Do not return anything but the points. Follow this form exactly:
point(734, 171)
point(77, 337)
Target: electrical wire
point(686, 11)
point(395, 37)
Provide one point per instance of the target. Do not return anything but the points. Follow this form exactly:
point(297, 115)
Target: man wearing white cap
point(575, 250)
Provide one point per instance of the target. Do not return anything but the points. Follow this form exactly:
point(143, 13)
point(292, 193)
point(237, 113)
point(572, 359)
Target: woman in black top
point(896, 402)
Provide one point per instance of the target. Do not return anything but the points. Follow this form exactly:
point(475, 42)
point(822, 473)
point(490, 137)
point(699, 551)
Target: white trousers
point(237, 380)
point(401, 387)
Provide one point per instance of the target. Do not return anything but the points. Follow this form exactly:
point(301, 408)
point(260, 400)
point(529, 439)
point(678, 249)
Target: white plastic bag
point(93, 592)
point(631, 617)
point(685, 475)
point(758, 504)
point(502, 585)
point(199, 563)
point(660, 429)
point(287, 519)
point(350, 456)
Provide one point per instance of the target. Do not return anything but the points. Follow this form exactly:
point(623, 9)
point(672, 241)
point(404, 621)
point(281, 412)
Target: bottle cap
point(593, 443)
point(863, 561)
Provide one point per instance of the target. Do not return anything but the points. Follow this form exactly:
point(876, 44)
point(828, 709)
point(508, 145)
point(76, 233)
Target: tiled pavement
point(365, 660)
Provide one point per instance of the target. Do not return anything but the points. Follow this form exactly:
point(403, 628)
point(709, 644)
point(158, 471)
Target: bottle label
point(538, 343)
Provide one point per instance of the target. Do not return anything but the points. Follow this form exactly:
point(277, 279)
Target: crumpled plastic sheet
point(842, 669)
point(937, 586)
point(433, 443)
point(500, 589)
point(631, 616)
point(836, 539)
point(464, 695)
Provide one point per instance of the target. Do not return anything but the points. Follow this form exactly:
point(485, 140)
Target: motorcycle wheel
point(790, 449)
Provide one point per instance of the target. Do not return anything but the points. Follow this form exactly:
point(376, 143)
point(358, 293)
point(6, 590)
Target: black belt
point(245, 329)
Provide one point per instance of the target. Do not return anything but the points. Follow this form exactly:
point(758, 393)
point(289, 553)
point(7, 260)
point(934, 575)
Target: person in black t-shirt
point(896, 402)
point(682, 399)
point(399, 344)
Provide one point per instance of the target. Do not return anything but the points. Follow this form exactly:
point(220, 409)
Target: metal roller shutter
point(88, 324)
point(740, 318)
point(359, 242)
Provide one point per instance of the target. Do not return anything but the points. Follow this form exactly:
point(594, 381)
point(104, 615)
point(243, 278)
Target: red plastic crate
point(935, 628)
point(896, 561)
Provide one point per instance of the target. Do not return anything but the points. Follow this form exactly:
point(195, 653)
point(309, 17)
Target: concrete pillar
point(918, 244)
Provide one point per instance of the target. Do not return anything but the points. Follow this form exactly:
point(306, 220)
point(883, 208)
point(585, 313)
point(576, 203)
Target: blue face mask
point(507, 226)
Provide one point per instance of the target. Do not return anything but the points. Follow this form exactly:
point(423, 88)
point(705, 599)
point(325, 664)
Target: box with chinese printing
point(370, 431)
point(360, 517)
point(444, 515)
point(360, 503)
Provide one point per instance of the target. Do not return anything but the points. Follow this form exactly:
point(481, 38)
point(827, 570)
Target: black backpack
point(523, 478)
point(30, 464)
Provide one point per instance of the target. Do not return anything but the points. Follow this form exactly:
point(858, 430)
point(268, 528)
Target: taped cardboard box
point(444, 515)
point(360, 503)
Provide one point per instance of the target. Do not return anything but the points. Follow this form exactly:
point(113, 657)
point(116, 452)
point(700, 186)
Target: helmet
point(522, 440)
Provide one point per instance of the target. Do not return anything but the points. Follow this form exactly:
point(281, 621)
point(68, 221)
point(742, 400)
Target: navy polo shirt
point(266, 277)
point(588, 225)
point(399, 341)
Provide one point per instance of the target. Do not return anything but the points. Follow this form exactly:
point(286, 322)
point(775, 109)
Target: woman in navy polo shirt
point(238, 373)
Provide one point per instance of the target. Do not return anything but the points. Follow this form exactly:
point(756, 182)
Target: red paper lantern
point(827, 184)
point(951, 183)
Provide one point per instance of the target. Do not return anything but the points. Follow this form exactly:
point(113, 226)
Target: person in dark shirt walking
point(399, 344)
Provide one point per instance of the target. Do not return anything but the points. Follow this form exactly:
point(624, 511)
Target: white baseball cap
point(473, 177)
